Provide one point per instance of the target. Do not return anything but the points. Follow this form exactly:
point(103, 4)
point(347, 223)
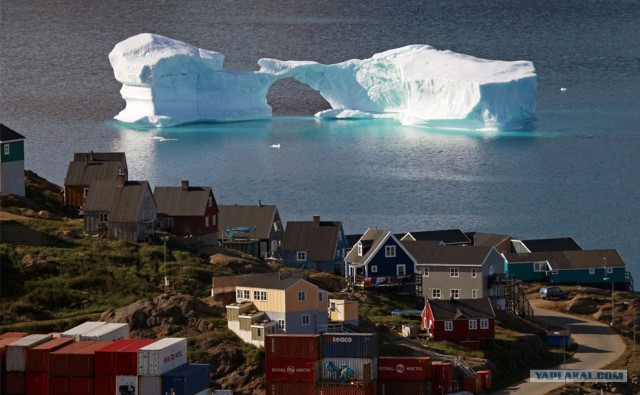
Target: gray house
point(122, 210)
point(254, 229)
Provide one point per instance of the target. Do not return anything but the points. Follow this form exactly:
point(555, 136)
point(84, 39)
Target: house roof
point(191, 201)
point(320, 239)
point(430, 253)
point(7, 134)
point(270, 281)
point(371, 241)
point(447, 236)
point(100, 157)
point(261, 216)
point(460, 308)
point(567, 260)
point(83, 173)
point(556, 244)
point(352, 240)
point(487, 239)
point(123, 203)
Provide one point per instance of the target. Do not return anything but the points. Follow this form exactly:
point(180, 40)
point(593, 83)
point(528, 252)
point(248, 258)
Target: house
point(468, 321)
point(254, 229)
point(11, 162)
point(315, 245)
point(583, 267)
point(446, 236)
point(89, 167)
point(545, 245)
point(188, 211)
point(276, 303)
point(344, 311)
point(458, 272)
point(122, 210)
point(379, 258)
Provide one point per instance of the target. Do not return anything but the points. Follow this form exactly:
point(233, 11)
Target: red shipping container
point(127, 358)
point(83, 360)
point(404, 388)
point(299, 370)
point(37, 383)
point(105, 358)
point(441, 388)
point(289, 388)
point(8, 335)
point(346, 389)
point(104, 384)
point(14, 383)
point(485, 378)
point(442, 372)
point(293, 346)
point(404, 369)
point(60, 361)
point(38, 356)
point(472, 384)
point(82, 385)
point(60, 385)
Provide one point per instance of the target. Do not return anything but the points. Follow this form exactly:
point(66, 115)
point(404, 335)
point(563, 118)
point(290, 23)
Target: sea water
point(573, 173)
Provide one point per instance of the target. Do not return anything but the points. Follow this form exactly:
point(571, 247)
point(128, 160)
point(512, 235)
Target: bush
point(102, 282)
point(28, 310)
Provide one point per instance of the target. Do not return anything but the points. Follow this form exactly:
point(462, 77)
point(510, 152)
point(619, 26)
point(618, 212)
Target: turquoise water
point(574, 173)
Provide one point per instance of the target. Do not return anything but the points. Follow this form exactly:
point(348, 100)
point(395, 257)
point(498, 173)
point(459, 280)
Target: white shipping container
point(362, 369)
point(149, 385)
point(76, 331)
point(162, 356)
point(126, 385)
point(16, 352)
point(107, 332)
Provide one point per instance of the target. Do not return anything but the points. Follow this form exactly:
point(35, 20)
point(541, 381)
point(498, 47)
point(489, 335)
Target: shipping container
point(14, 383)
point(60, 385)
point(16, 352)
point(11, 335)
point(442, 372)
point(105, 358)
point(38, 356)
point(293, 347)
point(127, 358)
point(352, 345)
point(126, 385)
point(303, 370)
point(76, 331)
point(162, 356)
point(472, 384)
point(82, 385)
point(186, 379)
point(83, 360)
point(404, 368)
point(104, 384)
point(149, 385)
point(37, 383)
point(348, 369)
point(346, 389)
point(107, 332)
point(60, 361)
point(485, 378)
point(289, 388)
point(441, 388)
point(404, 388)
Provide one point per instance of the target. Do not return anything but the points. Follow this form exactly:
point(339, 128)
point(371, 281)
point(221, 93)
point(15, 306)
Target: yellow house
point(344, 311)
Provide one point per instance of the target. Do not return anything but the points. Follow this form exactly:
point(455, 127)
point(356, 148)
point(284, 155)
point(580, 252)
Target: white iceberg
point(167, 82)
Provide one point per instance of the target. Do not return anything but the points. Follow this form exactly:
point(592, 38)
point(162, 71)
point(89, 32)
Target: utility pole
point(166, 278)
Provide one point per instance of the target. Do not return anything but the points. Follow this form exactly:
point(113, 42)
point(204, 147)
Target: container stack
point(443, 382)
point(106, 366)
point(292, 364)
point(106, 333)
point(6, 339)
point(38, 365)
point(404, 375)
point(485, 379)
point(71, 368)
point(156, 359)
point(472, 384)
point(81, 329)
point(15, 380)
point(188, 379)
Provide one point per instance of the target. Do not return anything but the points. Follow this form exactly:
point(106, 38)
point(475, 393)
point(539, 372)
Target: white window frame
point(374, 268)
point(473, 325)
point(398, 270)
point(554, 272)
point(213, 220)
point(484, 323)
point(238, 294)
point(454, 272)
point(390, 251)
point(103, 217)
point(436, 293)
point(539, 266)
point(7, 149)
point(425, 271)
point(302, 296)
point(474, 272)
point(85, 192)
point(359, 249)
point(448, 326)
point(301, 256)
point(609, 270)
point(281, 325)
point(246, 294)
point(592, 270)
point(454, 293)
point(474, 293)
point(307, 318)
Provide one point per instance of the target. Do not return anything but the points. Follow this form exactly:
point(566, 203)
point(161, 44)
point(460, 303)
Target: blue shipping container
point(186, 379)
point(350, 345)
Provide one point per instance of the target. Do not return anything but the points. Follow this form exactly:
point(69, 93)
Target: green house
point(527, 266)
point(11, 162)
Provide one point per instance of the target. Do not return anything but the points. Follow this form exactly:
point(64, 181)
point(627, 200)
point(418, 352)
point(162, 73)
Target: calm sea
point(575, 173)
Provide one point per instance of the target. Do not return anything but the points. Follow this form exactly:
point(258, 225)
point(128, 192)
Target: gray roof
point(261, 216)
point(100, 157)
point(459, 308)
point(123, 203)
point(430, 253)
point(178, 202)
point(7, 134)
point(487, 239)
point(447, 236)
point(269, 281)
point(84, 173)
point(575, 259)
point(556, 244)
point(371, 240)
point(320, 241)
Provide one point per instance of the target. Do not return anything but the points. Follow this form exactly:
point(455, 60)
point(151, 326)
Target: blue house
point(379, 258)
point(315, 245)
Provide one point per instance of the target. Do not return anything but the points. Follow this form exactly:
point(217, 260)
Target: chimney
point(316, 220)
point(120, 180)
point(91, 156)
point(259, 202)
point(185, 185)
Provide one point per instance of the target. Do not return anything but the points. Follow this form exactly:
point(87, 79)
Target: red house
point(467, 321)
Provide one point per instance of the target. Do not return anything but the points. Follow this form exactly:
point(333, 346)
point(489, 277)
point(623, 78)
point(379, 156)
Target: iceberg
point(166, 82)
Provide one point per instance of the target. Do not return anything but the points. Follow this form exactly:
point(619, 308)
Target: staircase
point(516, 300)
point(458, 362)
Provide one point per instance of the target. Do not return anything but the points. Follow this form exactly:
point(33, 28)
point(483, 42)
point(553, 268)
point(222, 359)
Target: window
point(448, 326)
point(213, 220)
point(425, 271)
point(7, 149)
point(246, 294)
point(281, 325)
point(359, 249)
point(454, 294)
point(275, 226)
point(374, 269)
point(319, 296)
point(609, 270)
point(554, 272)
point(242, 294)
point(206, 222)
point(484, 323)
point(301, 256)
point(474, 272)
point(539, 266)
point(302, 296)
point(474, 294)
point(436, 293)
point(103, 217)
point(592, 271)
point(389, 251)
point(454, 272)
point(260, 295)
point(238, 294)
point(473, 325)
point(306, 319)
point(401, 270)
point(85, 192)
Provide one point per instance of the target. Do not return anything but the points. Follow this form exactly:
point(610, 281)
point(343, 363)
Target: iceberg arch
point(166, 82)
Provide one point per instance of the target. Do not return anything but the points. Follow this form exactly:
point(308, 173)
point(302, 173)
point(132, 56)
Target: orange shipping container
point(292, 346)
point(38, 356)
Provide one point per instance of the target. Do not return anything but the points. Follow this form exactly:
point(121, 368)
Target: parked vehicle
point(554, 293)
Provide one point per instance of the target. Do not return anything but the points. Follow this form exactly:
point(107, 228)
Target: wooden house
point(188, 211)
point(468, 321)
point(254, 229)
point(121, 210)
point(89, 167)
point(379, 258)
point(315, 245)
point(11, 162)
